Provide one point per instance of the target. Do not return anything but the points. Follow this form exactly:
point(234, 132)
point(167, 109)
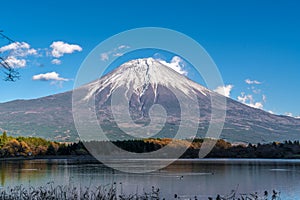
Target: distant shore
point(91, 159)
point(25, 148)
point(51, 157)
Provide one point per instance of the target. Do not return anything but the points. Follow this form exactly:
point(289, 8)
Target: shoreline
point(89, 158)
point(50, 157)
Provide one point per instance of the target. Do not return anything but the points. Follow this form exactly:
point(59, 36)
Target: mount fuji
point(143, 83)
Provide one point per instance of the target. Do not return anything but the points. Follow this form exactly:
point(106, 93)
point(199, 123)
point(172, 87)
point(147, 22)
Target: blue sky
point(257, 41)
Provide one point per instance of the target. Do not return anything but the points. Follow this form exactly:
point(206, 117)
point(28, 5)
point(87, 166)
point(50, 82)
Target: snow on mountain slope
point(140, 74)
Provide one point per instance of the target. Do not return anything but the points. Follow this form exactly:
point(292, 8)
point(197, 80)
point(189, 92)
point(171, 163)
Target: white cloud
point(258, 105)
point(250, 82)
point(32, 51)
point(59, 48)
point(288, 114)
point(19, 54)
point(176, 64)
point(224, 90)
point(56, 61)
point(264, 98)
point(104, 56)
point(255, 90)
point(16, 52)
point(50, 76)
point(123, 47)
point(14, 62)
point(116, 52)
point(256, 93)
point(20, 49)
point(15, 46)
point(249, 100)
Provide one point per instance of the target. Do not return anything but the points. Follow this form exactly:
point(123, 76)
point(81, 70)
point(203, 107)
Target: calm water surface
point(185, 177)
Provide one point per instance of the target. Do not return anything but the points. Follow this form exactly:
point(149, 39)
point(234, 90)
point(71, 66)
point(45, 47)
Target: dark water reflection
point(185, 177)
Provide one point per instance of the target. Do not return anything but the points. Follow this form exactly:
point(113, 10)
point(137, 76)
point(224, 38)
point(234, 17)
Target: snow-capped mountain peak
point(140, 74)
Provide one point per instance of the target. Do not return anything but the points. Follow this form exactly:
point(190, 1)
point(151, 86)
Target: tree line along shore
point(30, 147)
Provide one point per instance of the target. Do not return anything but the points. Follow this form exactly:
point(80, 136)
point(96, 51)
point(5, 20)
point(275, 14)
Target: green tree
point(4, 136)
point(3, 139)
point(52, 149)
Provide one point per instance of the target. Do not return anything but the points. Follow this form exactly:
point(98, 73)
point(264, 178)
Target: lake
point(187, 177)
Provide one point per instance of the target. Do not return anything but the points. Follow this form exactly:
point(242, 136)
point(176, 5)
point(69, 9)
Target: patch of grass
point(109, 192)
point(72, 192)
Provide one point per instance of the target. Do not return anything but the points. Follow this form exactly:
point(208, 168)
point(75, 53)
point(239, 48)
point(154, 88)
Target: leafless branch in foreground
point(11, 74)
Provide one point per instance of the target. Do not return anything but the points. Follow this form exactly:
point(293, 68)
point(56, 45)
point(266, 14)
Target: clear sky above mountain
point(255, 44)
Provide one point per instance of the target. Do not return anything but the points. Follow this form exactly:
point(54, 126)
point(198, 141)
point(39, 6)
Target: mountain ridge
point(51, 116)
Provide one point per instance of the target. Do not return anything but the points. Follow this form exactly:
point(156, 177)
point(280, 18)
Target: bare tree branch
point(4, 36)
point(11, 74)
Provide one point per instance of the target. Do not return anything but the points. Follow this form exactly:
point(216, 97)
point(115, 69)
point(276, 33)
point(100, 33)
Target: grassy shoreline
point(112, 192)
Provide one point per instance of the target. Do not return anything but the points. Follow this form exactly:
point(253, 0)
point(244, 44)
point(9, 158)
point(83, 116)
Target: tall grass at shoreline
point(110, 192)
point(72, 192)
